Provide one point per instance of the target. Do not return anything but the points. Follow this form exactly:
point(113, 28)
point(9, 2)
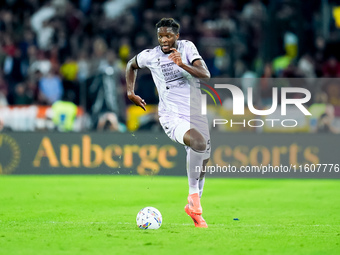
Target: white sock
point(194, 188)
point(201, 185)
point(194, 159)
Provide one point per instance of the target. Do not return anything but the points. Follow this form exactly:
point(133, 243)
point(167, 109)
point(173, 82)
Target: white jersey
point(179, 92)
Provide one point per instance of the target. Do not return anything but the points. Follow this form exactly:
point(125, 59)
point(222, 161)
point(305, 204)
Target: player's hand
point(175, 56)
point(137, 100)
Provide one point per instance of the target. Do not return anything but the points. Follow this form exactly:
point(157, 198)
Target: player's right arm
point(131, 75)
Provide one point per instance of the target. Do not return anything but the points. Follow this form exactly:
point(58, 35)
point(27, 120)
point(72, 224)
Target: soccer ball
point(149, 218)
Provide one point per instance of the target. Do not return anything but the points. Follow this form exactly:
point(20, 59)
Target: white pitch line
point(231, 224)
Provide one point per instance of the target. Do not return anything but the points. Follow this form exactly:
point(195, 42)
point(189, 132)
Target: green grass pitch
point(96, 215)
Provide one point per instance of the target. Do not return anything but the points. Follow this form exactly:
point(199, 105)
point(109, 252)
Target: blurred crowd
point(64, 50)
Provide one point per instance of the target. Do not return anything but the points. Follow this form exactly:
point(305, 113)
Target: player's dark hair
point(169, 22)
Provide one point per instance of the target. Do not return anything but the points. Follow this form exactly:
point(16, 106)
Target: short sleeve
point(143, 58)
point(192, 52)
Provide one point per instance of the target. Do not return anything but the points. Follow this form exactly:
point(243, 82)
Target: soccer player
point(176, 67)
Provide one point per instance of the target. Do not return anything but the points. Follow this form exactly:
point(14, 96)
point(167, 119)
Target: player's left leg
point(198, 219)
point(197, 145)
point(202, 178)
point(198, 152)
point(195, 156)
point(193, 208)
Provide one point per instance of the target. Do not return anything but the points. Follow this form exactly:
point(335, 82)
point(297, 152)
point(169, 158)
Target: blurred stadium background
point(63, 70)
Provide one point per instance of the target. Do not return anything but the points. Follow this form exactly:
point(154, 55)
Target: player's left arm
point(198, 68)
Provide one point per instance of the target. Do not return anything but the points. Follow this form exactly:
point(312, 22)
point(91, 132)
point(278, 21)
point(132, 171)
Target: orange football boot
point(198, 219)
point(194, 204)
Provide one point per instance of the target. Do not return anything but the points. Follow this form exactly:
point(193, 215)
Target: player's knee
point(199, 144)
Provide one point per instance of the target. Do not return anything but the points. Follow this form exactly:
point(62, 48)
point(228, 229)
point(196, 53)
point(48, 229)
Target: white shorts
point(176, 127)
